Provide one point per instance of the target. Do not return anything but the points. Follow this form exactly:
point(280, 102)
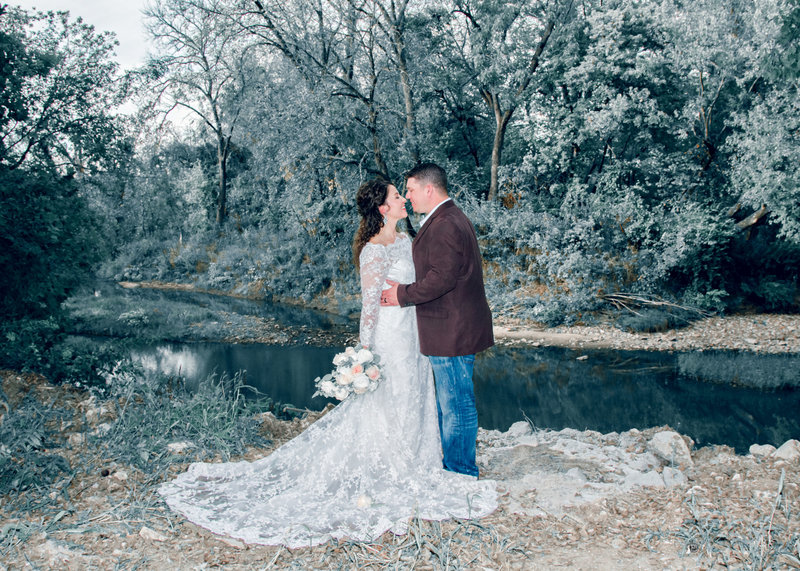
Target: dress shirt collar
point(428, 215)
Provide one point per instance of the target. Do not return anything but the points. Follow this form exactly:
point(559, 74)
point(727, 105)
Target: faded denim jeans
point(458, 418)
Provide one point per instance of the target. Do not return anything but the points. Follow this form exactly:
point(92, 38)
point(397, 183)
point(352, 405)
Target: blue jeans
point(458, 418)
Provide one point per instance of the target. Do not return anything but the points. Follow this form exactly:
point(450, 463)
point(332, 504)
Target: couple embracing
point(404, 450)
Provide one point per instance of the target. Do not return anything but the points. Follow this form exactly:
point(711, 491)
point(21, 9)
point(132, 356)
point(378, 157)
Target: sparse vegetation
point(767, 539)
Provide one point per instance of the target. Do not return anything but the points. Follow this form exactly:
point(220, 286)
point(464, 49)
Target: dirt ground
point(725, 511)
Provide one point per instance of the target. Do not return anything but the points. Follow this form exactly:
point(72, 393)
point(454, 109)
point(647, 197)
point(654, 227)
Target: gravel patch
point(762, 333)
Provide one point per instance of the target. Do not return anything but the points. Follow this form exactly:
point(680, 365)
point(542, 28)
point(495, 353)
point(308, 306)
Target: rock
point(178, 447)
point(102, 428)
point(56, 554)
point(673, 477)
point(761, 450)
point(577, 475)
point(521, 428)
point(235, 543)
point(120, 475)
point(789, 451)
point(619, 544)
point(670, 447)
point(76, 439)
point(651, 479)
point(152, 535)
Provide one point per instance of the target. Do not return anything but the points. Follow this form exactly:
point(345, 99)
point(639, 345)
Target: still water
point(714, 397)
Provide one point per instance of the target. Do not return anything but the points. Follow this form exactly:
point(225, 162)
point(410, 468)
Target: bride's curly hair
point(369, 197)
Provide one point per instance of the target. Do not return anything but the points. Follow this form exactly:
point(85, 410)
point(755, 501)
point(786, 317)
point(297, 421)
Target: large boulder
point(670, 447)
point(789, 451)
point(762, 450)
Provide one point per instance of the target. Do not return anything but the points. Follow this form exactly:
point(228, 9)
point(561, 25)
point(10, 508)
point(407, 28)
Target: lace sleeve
point(375, 264)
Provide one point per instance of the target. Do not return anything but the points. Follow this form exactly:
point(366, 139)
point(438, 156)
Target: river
point(698, 394)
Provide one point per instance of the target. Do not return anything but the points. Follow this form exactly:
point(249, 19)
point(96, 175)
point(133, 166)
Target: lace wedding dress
point(368, 466)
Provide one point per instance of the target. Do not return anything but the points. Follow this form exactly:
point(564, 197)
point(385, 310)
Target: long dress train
point(367, 466)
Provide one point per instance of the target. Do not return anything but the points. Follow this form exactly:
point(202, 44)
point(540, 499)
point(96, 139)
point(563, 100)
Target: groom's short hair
point(429, 173)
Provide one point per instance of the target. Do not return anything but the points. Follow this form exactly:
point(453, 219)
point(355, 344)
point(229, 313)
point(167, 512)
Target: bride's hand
point(389, 296)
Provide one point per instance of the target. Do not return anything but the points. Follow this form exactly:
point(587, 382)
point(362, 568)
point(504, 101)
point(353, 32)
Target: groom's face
point(417, 195)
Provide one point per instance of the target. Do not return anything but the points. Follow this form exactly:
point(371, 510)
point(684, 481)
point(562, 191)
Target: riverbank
point(641, 499)
point(759, 333)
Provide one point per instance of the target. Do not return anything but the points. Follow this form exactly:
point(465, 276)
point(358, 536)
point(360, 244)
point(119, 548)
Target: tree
point(56, 79)
point(391, 18)
point(57, 92)
point(765, 146)
point(325, 43)
point(498, 47)
point(715, 59)
point(202, 67)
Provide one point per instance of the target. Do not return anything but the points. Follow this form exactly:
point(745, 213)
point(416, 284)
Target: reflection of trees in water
point(285, 374)
point(287, 315)
point(172, 360)
point(714, 397)
point(742, 369)
point(612, 391)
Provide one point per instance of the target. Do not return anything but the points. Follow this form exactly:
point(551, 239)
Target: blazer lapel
point(442, 208)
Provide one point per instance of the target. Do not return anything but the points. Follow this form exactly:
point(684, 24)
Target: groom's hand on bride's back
point(389, 296)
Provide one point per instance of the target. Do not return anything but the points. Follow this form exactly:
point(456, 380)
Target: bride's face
point(395, 205)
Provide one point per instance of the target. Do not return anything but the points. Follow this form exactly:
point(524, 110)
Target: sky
point(123, 17)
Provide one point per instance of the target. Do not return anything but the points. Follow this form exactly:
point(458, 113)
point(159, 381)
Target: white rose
point(341, 393)
point(364, 355)
point(327, 388)
point(361, 383)
point(344, 377)
point(340, 359)
point(349, 352)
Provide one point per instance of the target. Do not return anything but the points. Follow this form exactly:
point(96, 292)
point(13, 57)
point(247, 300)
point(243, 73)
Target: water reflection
point(619, 390)
point(285, 374)
point(177, 361)
point(698, 394)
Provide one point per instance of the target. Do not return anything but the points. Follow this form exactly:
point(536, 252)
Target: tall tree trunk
point(377, 152)
point(223, 147)
point(410, 130)
point(501, 119)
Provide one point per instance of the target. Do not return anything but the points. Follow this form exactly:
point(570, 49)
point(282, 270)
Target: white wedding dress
point(368, 466)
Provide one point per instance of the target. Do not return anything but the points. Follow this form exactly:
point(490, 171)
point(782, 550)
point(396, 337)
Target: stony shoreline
point(759, 333)
point(642, 499)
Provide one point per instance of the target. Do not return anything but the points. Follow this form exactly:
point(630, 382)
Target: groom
point(453, 316)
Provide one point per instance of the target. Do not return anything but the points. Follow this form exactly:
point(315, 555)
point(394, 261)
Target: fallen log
point(753, 219)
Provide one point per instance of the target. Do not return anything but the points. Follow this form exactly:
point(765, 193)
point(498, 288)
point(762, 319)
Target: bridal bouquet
point(356, 370)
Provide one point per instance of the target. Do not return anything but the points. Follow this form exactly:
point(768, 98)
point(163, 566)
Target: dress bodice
point(379, 263)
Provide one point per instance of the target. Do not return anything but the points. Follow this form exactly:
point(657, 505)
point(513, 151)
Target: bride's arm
point(375, 266)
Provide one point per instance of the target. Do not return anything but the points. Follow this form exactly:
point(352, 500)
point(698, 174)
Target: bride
point(370, 464)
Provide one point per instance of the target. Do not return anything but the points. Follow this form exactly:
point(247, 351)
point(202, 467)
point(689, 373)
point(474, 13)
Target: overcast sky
point(123, 17)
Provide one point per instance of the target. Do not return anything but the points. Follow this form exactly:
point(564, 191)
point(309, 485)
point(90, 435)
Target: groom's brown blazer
point(453, 315)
